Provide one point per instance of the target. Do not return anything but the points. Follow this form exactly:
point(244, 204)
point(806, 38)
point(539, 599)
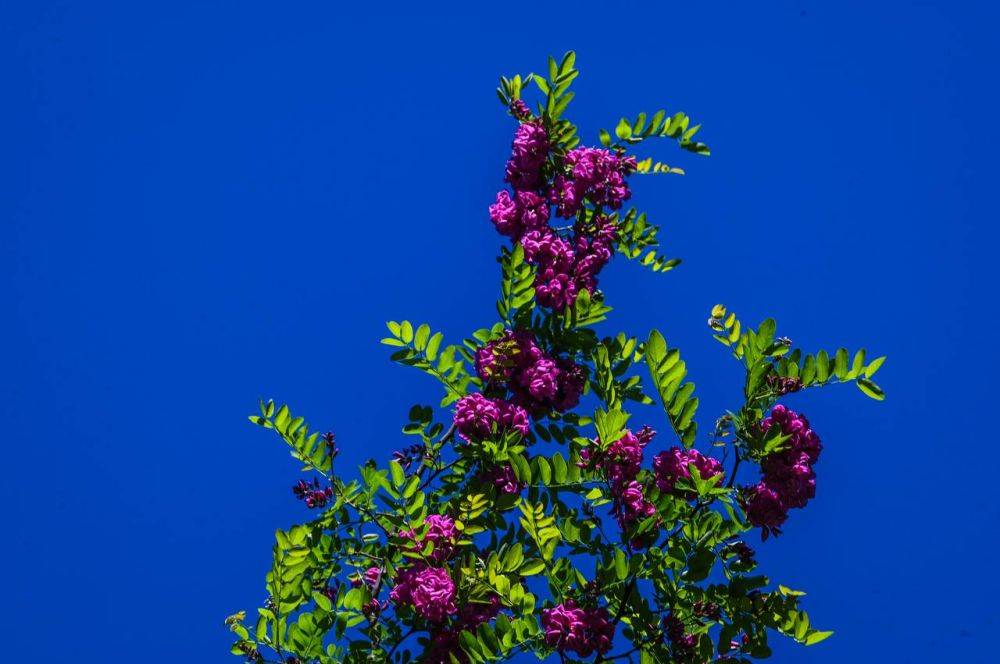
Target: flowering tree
point(530, 515)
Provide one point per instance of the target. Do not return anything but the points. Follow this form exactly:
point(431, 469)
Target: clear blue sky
point(212, 202)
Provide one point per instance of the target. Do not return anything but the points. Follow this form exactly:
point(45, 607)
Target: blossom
point(794, 483)
point(372, 576)
point(622, 460)
point(513, 216)
point(428, 590)
point(311, 493)
point(504, 479)
point(801, 437)
point(788, 478)
point(538, 382)
point(441, 531)
point(478, 417)
point(528, 153)
point(674, 465)
point(584, 631)
point(595, 174)
point(764, 508)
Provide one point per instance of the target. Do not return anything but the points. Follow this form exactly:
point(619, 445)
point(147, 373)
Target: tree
point(520, 522)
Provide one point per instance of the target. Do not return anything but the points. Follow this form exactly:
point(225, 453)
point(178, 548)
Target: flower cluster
point(620, 464)
point(584, 631)
point(595, 174)
point(564, 269)
point(478, 417)
point(538, 381)
point(565, 265)
point(528, 154)
point(504, 479)
point(429, 591)
point(312, 494)
point(441, 532)
point(683, 643)
point(781, 386)
point(789, 480)
point(675, 464)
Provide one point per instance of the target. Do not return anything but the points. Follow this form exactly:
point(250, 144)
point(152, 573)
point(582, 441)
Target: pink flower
point(528, 153)
point(674, 465)
point(504, 479)
point(372, 576)
point(428, 590)
point(441, 531)
point(595, 174)
point(479, 418)
point(584, 631)
point(794, 483)
point(538, 382)
point(764, 509)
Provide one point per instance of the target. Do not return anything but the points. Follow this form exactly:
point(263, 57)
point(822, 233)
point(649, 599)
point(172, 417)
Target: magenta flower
point(584, 631)
point(478, 417)
point(528, 153)
point(764, 509)
point(428, 590)
point(441, 531)
point(674, 465)
point(504, 479)
point(372, 576)
point(537, 381)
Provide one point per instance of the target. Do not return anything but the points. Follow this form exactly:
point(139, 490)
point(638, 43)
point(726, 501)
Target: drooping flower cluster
point(516, 215)
point(595, 174)
point(788, 477)
point(429, 591)
point(622, 460)
point(620, 464)
point(504, 479)
point(478, 417)
point(683, 643)
point(311, 493)
point(528, 153)
point(565, 265)
point(675, 464)
point(583, 631)
point(441, 532)
point(564, 269)
point(537, 381)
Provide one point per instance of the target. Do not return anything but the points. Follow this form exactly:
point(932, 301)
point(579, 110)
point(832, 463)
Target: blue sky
point(208, 203)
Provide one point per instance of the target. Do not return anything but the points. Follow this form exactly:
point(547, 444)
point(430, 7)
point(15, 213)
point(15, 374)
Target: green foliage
point(668, 371)
point(532, 520)
point(421, 349)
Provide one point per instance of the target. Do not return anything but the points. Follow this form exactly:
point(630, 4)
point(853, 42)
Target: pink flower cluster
point(595, 174)
point(441, 531)
point(789, 480)
point(620, 464)
point(538, 382)
point(675, 465)
point(584, 631)
point(564, 269)
point(311, 493)
point(504, 479)
point(515, 215)
point(478, 417)
point(622, 460)
point(564, 266)
point(528, 154)
point(429, 591)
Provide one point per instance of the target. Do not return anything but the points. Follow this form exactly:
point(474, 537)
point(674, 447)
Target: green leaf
point(398, 475)
point(871, 389)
